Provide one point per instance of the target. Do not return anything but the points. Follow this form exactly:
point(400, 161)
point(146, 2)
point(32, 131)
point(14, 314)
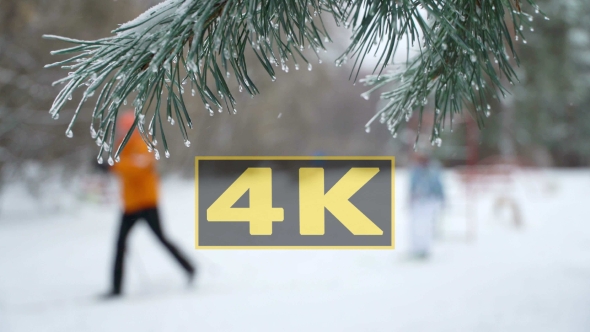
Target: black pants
point(151, 216)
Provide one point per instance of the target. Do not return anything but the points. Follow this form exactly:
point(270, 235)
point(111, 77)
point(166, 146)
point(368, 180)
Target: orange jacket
point(138, 176)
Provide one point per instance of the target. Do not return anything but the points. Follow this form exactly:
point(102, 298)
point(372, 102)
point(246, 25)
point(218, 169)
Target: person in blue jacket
point(426, 200)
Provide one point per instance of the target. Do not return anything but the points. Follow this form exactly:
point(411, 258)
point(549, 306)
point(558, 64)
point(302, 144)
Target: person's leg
point(430, 212)
point(413, 228)
point(127, 222)
point(153, 219)
point(418, 222)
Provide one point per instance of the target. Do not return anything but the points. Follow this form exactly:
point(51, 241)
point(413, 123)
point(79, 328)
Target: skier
point(139, 181)
point(426, 200)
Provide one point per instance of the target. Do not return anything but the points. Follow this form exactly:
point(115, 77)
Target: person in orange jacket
point(139, 182)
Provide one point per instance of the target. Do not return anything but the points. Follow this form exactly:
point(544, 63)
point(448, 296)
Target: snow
point(163, 9)
point(54, 260)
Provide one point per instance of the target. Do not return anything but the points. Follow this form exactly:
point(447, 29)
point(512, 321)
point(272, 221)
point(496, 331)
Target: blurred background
point(512, 246)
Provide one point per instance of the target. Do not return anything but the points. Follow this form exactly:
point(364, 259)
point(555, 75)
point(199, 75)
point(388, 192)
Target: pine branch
point(201, 41)
point(466, 49)
point(194, 41)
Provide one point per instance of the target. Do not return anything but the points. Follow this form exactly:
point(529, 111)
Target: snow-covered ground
point(55, 259)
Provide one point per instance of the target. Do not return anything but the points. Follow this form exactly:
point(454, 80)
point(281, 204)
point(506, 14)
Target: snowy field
point(56, 255)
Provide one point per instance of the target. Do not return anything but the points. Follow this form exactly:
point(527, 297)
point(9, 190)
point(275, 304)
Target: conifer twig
point(201, 45)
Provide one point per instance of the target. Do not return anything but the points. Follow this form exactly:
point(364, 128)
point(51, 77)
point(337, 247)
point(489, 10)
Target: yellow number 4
point(260, 214)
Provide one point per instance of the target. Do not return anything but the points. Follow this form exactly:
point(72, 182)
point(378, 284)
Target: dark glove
point(101, 168)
